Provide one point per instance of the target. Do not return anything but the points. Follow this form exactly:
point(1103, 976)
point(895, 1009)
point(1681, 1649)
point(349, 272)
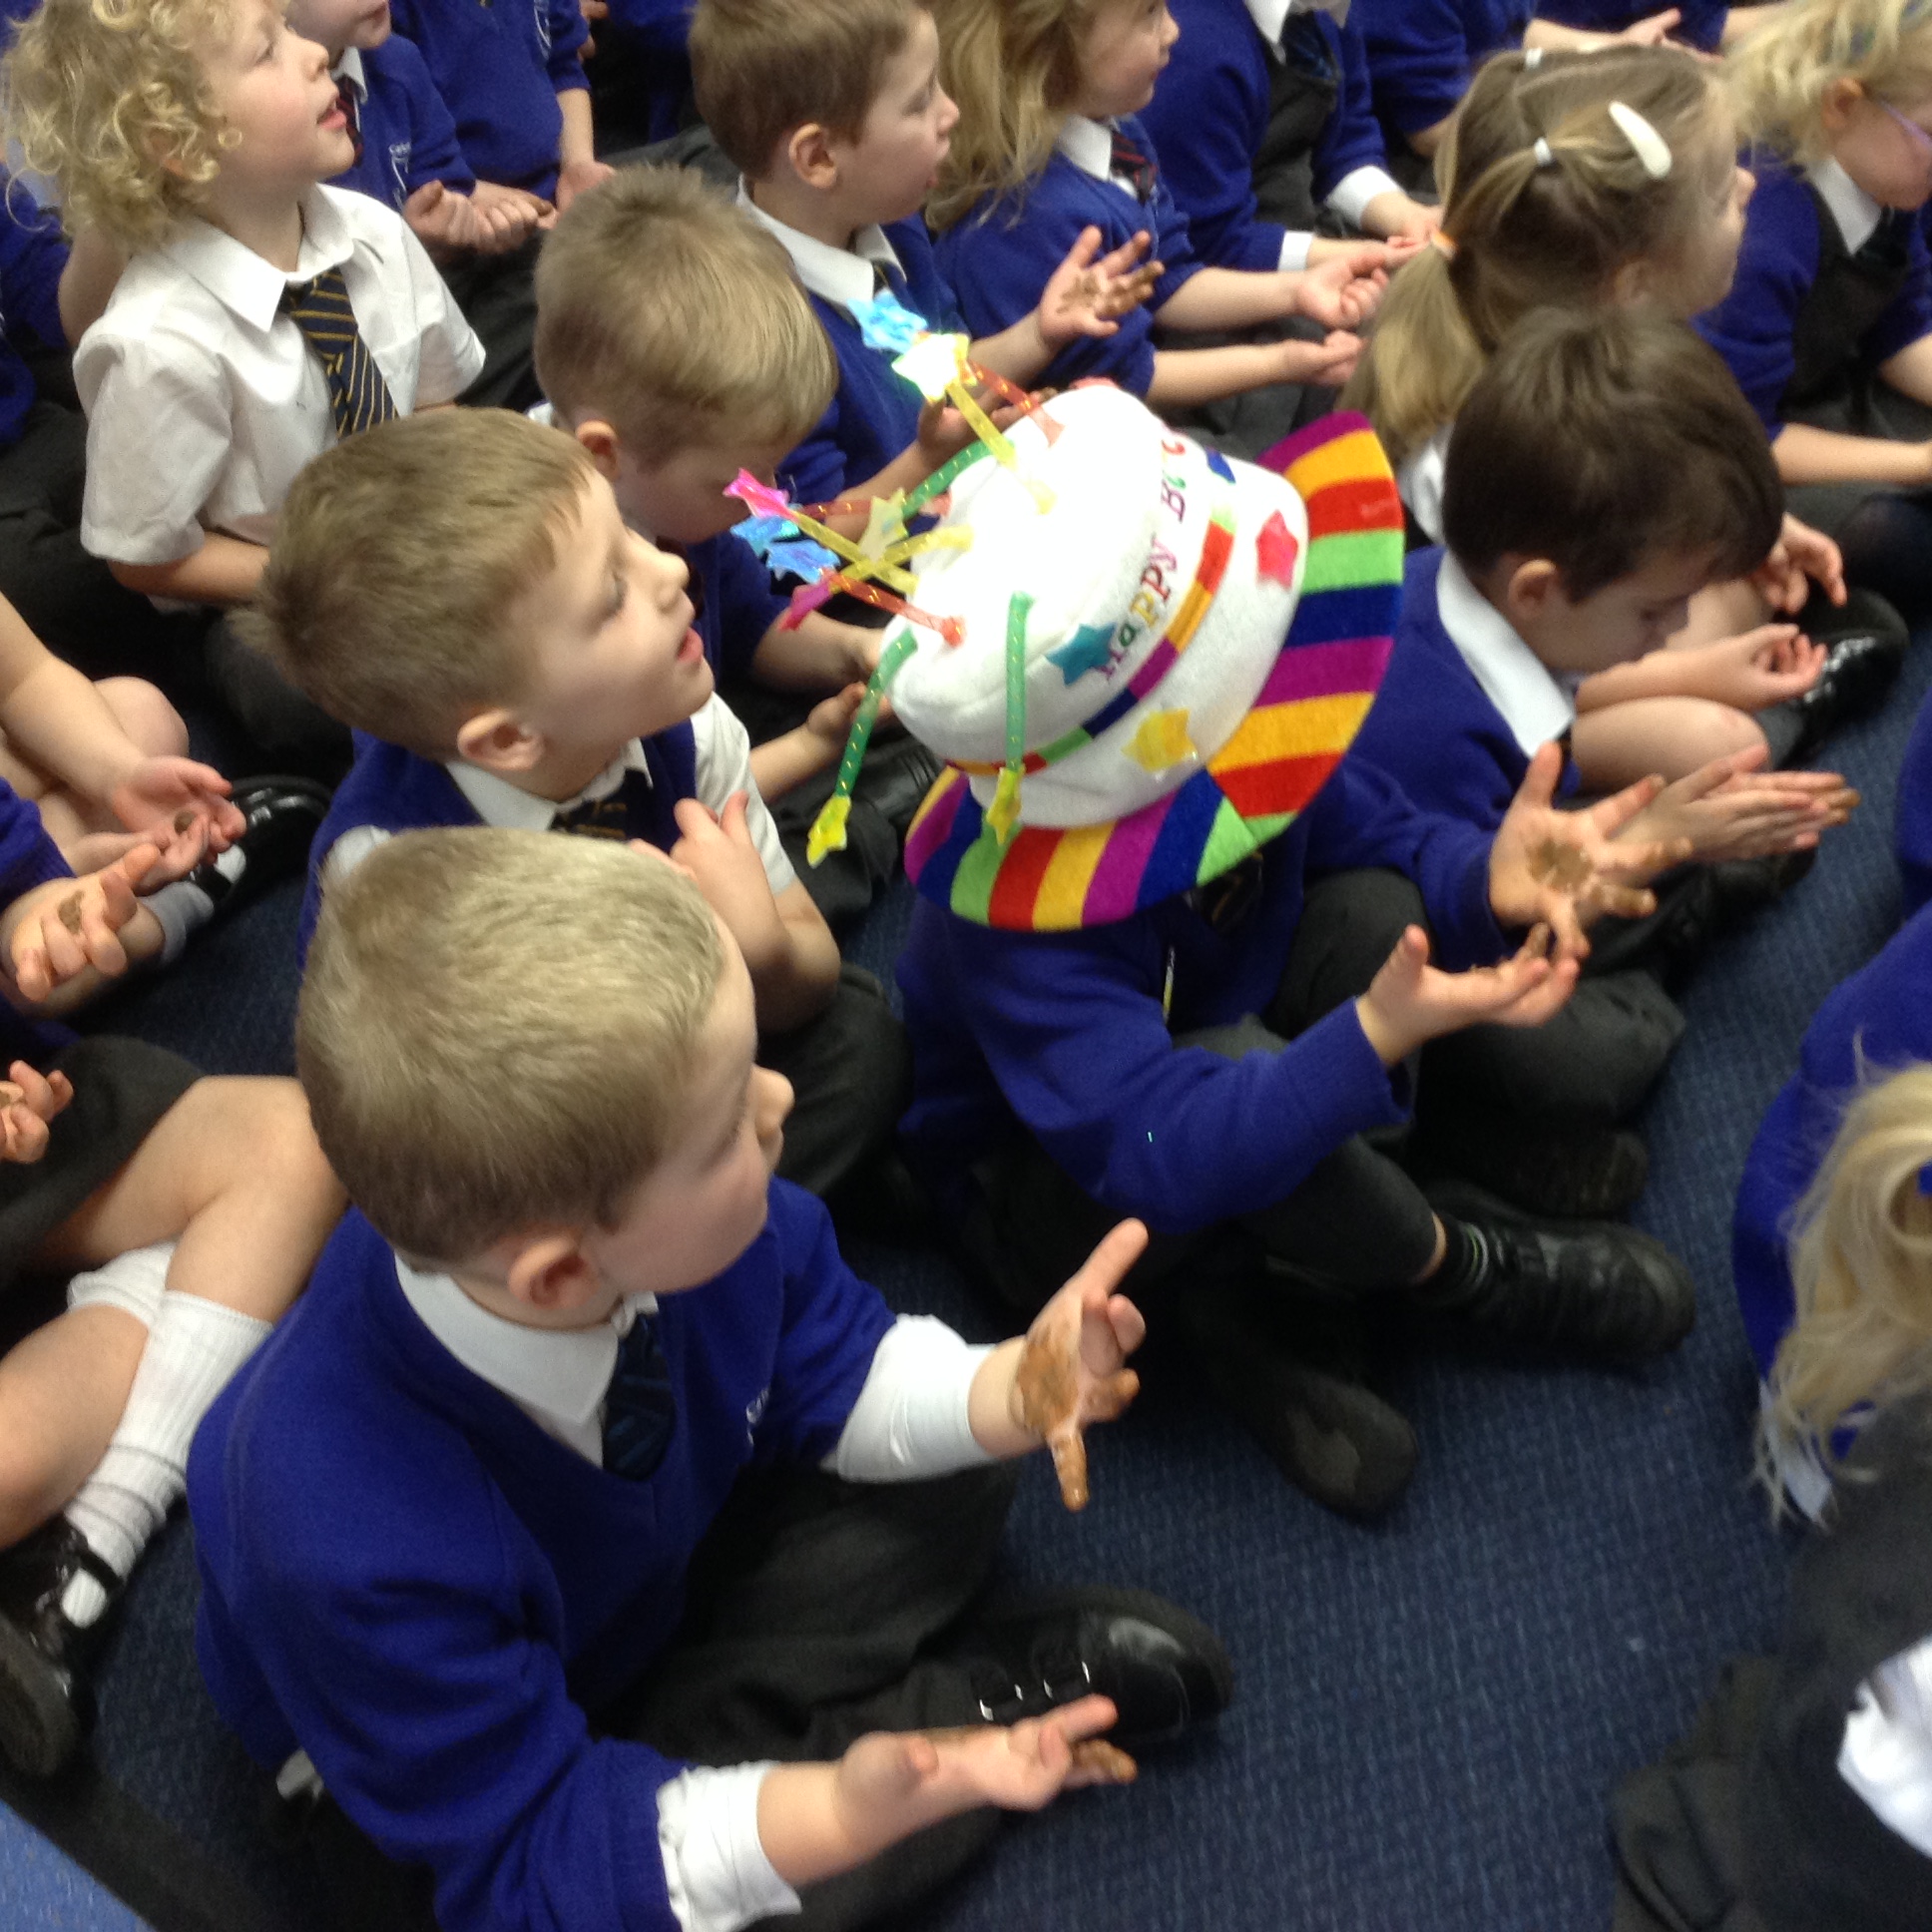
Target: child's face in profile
point(337, 24)
point(1700, 276)
point(1122, 57)
point(683, 498)
point(1624, 621)
point(615, 657)
point(1884, 145)
point(887, 173)
point(272, 88)
point(703, 1204)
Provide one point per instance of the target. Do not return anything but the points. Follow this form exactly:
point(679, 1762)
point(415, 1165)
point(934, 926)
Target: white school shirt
point(842, 276)
point(1420, 482)
point(204, 400)
point(1533, 704)
point(1359, 185)
point(910, 1421)
point(1855, 213)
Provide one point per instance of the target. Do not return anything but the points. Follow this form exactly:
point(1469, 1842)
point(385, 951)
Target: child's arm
point(1750, 672)
point(1555, 38)
point(788, 949)
point(808, 748)
point(578, 166)
point(1339, 294)
point(224, 571)
point(1409, 1002)
point(93, 265)
point(820, 653)
point(61, 940)
point(1083, 297)
point(1910, 370)
point(1729, 809)
point(1184, 377)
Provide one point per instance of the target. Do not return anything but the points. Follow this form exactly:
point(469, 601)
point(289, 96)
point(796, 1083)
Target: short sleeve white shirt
point(204, 399)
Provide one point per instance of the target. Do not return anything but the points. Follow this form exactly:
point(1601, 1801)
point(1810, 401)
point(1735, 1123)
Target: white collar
point(500, 803)
point(1089, 144)
point(843, 275)
point(1856, 213)
point(349, 70)
point(1514, 678)
point(1271, 16)
point(557, 1374)
point(247, 283)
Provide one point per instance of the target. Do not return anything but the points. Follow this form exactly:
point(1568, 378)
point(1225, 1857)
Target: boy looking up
point(1613, 470)
point(463, 590)
point(570, 1311)
point(836, 121)
point(261, 316)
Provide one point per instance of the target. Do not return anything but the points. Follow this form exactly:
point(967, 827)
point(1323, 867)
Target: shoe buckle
point(1006, 1709)
point(1073, 1680)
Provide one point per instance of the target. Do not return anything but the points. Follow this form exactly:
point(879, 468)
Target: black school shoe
point(1165, 1671)
point(1590, 1287)
point(283, 814)
point(1866, 641)
point(46, 1661)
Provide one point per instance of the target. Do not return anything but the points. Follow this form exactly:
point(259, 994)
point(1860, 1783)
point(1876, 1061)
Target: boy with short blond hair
point(462, 588)
point(482, 1473)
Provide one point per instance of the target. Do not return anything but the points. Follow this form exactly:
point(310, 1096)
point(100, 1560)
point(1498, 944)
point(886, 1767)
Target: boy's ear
point(809, 151)
point(550, 1272)
point(599, 441)
point(1531, 589)
point(499, 740)
point(1836, 103)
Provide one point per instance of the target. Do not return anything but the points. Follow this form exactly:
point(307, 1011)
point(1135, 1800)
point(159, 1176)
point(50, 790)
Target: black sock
point(1466, 1262)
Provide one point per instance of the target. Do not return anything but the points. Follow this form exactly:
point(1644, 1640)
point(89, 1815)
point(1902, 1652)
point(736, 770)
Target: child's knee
point(146, 715)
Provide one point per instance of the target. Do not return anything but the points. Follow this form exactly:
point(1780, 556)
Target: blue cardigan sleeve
point(1178, 1136)
point(565, 32)
point(1351, 136)
point(435, 153)
point(1753, 328)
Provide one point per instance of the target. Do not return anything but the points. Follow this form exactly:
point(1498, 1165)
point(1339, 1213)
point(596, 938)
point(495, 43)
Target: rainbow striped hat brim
point(1048, 879)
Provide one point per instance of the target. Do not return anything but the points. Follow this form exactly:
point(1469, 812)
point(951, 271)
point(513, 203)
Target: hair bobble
point(1444, 245)
point(1649, 147)
point(1545, 157)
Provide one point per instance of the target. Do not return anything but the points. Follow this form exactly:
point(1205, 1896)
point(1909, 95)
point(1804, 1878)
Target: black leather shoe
point(46, 1661)
point(1593, 1286)
point(1165, 1671)
point(283, 814)
point(1866, 641)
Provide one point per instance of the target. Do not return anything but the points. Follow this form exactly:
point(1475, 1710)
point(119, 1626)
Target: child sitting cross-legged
point(1557, 572)
point(261, 317)
point(599, 1542)
point(462, 590)
point(1169, 958)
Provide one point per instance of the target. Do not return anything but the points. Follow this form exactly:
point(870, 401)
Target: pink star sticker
point(1275, 550)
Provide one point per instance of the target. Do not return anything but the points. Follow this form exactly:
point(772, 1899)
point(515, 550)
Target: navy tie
point(357, 395)
point(1129, 162)
point(639, 1412)
point(612, 817)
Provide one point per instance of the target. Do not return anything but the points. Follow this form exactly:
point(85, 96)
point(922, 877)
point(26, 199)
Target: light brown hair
point(1600, 440)
point(1527, 233)
point(672, 315)
point(497, 1031)
point(762, 69)
point(397, 555)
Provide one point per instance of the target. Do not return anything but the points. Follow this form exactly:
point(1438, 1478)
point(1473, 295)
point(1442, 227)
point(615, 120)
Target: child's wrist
point(1384, 1037)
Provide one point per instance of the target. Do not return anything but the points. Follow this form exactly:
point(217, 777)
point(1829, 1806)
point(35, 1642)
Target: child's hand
point(944, 431)
point(576, 176)
point(1800, 558)
point(1565, 868)
point(1345, 291)
point(1755, 669)
point(1083, 295)
point(890, 1783)
point(1409, 1002)
point(1729, 809)
point(184, 807)
point(509, 215)
point(1323, 366)
point(831, 718)
point(444, 223)
point(59, 929)
point(1397, 217)
point(1389, 253)
point(720, 857)
point(1073, 1369)
point(28, 1102)
point(1652, 32)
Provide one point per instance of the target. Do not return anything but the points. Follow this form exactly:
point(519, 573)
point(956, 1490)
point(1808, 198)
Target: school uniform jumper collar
point(1514, 679)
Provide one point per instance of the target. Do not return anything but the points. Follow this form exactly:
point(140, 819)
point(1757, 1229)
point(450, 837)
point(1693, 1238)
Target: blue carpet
point(1430, 1712)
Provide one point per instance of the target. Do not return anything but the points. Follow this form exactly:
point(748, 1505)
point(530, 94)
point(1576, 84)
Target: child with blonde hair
point(1828, 325)
point(1573, 181)
point(1048, 143)
point(261, 316)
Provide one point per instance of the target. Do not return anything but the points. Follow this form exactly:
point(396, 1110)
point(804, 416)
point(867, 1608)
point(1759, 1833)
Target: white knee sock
point(193, 1347)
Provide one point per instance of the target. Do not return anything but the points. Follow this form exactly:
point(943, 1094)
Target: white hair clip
point(1532, 59)
point(1648, 145)
point(1545, 157)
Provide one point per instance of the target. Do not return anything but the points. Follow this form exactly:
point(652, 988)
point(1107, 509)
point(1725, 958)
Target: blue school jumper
point(1432, 728)
point(1914, 830)
point(1065, 1034)
point(32, 255)
point(1880, 1018)
point(875, 413)
point(1422, 54)
point(406, 1577)
point(657, 30)
point(735, 603)
point(408, 138)
point(398, 791)
point(1210, 114)
point(500, 69)
point(1702, 24)
point(28, 858)
point(998, 256)
point(1763, 327)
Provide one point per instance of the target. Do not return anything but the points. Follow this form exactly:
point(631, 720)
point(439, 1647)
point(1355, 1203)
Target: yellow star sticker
point(884, 525)
point(1161, 742)
point(932, 363)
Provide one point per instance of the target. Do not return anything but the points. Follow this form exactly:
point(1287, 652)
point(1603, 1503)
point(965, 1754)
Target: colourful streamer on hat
point(827, 833)
point(1004, 812)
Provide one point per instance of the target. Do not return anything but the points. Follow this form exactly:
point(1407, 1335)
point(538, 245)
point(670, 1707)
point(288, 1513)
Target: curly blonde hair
point(111, 99)
point(1861, 1266)
point(1013, 67)
point(1779, 77)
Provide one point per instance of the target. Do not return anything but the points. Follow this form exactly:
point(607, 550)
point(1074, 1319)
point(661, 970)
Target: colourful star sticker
point(1089, 649)
point(932, 364)
point(1161, 742)
point(764, 500)
point(884, 525)
point(886, 323)
point(1275, 550)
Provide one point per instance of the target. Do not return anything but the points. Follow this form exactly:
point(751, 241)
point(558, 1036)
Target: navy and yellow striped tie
point(357, 394)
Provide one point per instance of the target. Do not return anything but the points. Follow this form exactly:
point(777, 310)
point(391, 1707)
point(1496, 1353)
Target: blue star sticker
point(1089, 649)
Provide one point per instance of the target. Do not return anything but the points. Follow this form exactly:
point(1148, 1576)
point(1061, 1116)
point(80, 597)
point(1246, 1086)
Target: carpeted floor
point(1429, 1712)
